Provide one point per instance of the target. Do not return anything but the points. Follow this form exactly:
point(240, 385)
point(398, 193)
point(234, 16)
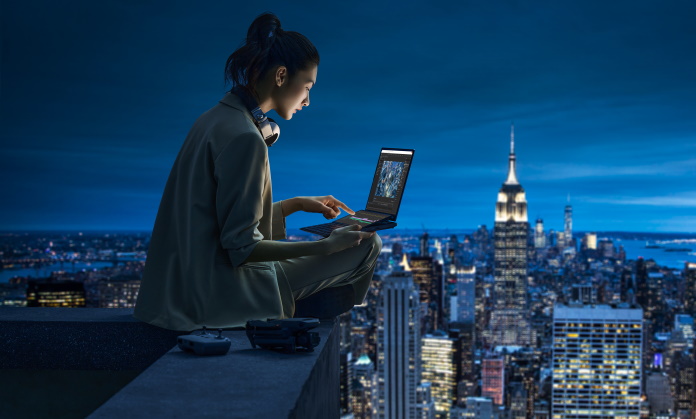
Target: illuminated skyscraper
point(364, 386)
point(690, 292)
point(683, 383)
point(539, 235)
point(425, 244)
point(685, 324)
point(463, 307)
point(118, 292)
point(596, 361)
point(463, 335)
point(568, 224)
point(589, 242)
point(509, 324)
point(493, 380)
point(428, 277)
point(439, 368)
point(399, 347)
point(648, 295)
point(55, 294)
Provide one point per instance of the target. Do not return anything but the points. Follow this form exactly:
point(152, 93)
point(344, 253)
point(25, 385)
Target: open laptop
point(385, 195)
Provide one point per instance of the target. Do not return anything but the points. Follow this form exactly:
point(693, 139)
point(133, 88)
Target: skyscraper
point(596, 361)
point(463, 307)
point(685, 324)
point(424, 244)
point(509, 324)
point(493, 379)
point(463, 328)
point(364, 384)
point(683, 383)
point(345, 380)
point(690, 292)
point(539, 236)
point(439, 368)
point(568, 225)
point(428, 277)
point(399, 347)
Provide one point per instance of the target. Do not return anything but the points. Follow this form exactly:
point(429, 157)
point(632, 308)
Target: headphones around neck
point(270, 131)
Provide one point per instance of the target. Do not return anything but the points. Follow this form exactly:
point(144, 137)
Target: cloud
point(556, 171)
point(684, 200)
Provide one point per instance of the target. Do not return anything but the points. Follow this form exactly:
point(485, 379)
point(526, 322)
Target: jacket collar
point(233, 101)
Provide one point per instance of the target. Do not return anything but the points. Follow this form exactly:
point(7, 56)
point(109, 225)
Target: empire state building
point(510, 324)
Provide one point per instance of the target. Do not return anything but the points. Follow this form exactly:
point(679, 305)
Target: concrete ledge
point(245, 383)
point(79, 339)
point(148, 376)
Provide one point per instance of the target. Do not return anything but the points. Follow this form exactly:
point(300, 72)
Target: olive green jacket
point(216, 206)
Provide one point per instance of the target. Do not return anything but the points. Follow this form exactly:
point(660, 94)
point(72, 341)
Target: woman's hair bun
point(268, 46)
point(263, 29)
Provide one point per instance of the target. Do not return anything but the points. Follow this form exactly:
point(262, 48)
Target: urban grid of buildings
point(518, 323)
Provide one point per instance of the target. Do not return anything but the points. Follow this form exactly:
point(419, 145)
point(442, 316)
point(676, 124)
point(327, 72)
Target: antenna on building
point(512, 137)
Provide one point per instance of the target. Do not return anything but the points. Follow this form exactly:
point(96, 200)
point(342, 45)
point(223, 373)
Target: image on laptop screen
point(389, 181)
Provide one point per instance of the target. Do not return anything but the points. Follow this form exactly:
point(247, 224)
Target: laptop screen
point(389, 181)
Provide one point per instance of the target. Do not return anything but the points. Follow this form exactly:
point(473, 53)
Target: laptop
point(385, 195)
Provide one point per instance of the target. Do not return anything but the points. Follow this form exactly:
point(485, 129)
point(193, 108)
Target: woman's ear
point(281, 75)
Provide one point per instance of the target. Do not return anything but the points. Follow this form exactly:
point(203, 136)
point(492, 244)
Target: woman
point(213, 260)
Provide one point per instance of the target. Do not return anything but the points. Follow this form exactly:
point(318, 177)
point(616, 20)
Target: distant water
point(636, 248)
point(45, 271)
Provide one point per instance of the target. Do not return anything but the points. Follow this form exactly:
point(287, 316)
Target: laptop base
point(325, 230)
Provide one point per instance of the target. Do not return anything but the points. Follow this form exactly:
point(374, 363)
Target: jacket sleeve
point(240, 171)
point(278, 223)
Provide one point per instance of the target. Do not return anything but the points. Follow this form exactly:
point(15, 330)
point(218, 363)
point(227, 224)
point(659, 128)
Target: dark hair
point(267, 46)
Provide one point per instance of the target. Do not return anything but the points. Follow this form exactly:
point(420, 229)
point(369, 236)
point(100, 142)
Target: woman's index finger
point(345, 207)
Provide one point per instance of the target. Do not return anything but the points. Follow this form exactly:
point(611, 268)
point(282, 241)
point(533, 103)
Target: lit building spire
point(512, 175)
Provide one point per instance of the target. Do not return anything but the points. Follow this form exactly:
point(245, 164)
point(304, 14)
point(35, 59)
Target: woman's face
point(293, 93)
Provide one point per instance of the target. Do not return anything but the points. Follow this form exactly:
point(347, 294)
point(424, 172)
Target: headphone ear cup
point(269, 129)
point(275, 129)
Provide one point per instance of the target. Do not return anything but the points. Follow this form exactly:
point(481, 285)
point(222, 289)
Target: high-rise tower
point(364, 388)
point(439, 367)
point(690, 292)
point(509, 323)
point(399, 347)
point(596, 361)
point(568, 224)
point(539, 236)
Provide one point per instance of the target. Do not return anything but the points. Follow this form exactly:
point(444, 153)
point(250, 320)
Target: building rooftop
point(597, 311)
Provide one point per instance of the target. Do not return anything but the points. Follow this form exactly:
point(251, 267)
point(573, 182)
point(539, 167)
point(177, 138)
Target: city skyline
point(97, 99)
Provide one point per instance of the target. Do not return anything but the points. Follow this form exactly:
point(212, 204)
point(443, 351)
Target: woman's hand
point(327, 205)
point(345, 237)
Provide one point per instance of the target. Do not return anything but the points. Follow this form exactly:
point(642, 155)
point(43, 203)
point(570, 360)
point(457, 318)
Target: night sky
point(96, 99)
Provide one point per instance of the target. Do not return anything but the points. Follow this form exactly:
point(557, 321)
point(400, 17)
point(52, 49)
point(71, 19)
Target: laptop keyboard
point(323, 229)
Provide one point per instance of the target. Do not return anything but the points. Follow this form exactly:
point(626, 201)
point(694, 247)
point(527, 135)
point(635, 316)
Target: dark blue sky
point(97, 97)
